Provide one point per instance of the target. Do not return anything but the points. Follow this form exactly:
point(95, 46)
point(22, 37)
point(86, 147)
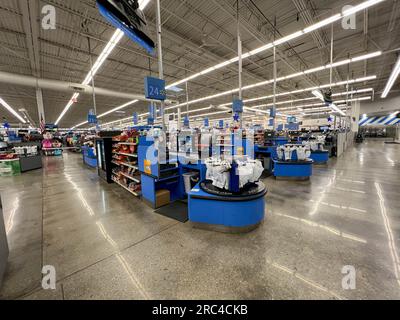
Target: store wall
point(389, 104)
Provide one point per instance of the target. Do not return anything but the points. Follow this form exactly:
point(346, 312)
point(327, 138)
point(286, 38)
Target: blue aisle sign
point(186, 121)
point(292, 126)
point(221, 123)
point(291, 119)
point(154, 88)
point(51, 126)
point(237, 106)
point(135, 118)
point(236, 116)
point(92, 118)
point(206, 122)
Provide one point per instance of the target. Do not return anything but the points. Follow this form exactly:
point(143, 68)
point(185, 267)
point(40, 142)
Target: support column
point(39, 101)
point(160, 62)
point(354, 116)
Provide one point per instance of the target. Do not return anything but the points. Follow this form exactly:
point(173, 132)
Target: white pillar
point(354, 116)
point(39, 101)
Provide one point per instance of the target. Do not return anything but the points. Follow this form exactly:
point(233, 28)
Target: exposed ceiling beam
point(29, 21)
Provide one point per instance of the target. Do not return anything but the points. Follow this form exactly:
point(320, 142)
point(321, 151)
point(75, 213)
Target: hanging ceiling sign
point(237, 106)
point(186, 121)
point(206, 122)
point(135, 118)
point(51, 126)
point(154, 88)
point(126, 16)
point(291, 119)
point(92, 118)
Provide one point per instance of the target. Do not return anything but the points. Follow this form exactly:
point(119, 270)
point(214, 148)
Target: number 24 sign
point(154, 88)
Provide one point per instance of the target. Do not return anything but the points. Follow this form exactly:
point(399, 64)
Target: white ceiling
point(196, 34)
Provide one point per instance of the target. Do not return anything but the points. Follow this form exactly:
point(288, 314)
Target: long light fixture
point(9, 108)
point(323, 107)
point(335, 108)
point(270, 81)
point(297, 34)
point(144, 114)
point(310, 106)
point(299, 100)
point(355, 9)
point(318, 25)
point(270, 96)
point(116, 37)
point(393, 76)
point(108, 112)
point(310, 89)
point(312, 70)
point(319, 95)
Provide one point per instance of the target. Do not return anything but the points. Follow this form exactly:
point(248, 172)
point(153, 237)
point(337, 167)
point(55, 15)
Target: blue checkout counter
point(320, 157)
point(278, 141)
point(222, 211)
point(158, 176)
point(268, 153)
point(293, 169)
point(89, 158)
point(210, 208)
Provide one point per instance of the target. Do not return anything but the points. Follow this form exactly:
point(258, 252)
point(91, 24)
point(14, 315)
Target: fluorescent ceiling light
point(116, 37)
point(117, 108)
point(318, 25)
point(271, 45)
point(265, 82)
point(175, 89)
point(309, 106)
point(361, 6)
point(288, 38)
point(340, 63)
point(335, 108)
point(318, 94)
point(323, 23)
point(307, 90)
point(9, 108)
point(143, 4)
point(392, 79)
point(366, 56)
point(226, 109)
point(69, 104)
point(108, 112)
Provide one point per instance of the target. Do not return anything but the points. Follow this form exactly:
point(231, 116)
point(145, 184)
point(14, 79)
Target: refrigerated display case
point(104, 158)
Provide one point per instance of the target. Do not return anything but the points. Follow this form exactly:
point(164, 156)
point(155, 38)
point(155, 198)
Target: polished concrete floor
point(105, 244)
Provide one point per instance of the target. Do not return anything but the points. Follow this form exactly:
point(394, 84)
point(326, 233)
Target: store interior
point(231, 149)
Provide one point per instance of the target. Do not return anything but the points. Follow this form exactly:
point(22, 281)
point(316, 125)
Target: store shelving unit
point(125, 171)
point(223, 144)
